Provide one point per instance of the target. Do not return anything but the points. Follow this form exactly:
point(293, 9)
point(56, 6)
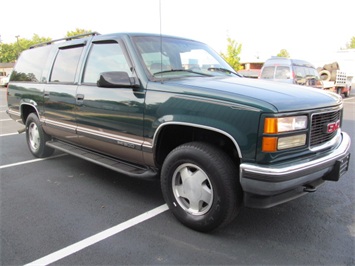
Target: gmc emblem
point(331, 127)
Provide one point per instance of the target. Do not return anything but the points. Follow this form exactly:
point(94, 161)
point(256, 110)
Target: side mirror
point(116, 79)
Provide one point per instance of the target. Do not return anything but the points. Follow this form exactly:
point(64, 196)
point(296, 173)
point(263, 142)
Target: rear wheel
point(339, 90)
point(347, 94)
point(199, 184)
point(37, 138)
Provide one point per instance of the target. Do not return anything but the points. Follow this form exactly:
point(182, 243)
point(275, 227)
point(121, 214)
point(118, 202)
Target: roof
point(7, 65)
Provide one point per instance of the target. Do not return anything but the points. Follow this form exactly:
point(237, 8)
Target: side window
point(104, 57)
point(30, 65)
point(282, 72)
point(268, 72)
point(300, 72)
point(65, 65)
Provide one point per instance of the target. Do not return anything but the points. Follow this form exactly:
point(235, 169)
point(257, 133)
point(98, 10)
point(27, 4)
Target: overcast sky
point(307, 29)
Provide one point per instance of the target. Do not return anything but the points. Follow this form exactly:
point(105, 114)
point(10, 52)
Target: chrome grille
point(319, 122)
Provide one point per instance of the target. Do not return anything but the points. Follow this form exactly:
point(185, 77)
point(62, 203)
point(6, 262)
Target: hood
point(270, 94)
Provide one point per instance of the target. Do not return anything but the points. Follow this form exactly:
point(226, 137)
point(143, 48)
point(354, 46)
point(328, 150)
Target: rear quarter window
point(30, 65)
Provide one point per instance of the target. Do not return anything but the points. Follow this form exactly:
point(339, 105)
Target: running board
point(121, 167)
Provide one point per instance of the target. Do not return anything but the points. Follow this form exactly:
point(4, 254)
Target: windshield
point(169, 57)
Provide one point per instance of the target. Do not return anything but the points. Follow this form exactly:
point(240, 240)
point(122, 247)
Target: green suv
point(151, 106)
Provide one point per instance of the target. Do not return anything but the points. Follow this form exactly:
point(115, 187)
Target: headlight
point(275, 125)
point(291, 142)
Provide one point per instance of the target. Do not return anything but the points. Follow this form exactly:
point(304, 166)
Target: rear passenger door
point(110, 120)
point(60, 103)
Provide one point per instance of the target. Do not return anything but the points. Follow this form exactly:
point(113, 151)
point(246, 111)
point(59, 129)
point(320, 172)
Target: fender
point(150, 145)
point(25, 106)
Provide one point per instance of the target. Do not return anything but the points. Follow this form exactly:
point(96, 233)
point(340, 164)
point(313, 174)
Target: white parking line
point(9, 134)
point(30, 161)
point(98, 237)
point(8, 119)
point(348, 99)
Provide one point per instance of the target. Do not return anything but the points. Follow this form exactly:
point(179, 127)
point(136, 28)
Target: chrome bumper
point(273, 180)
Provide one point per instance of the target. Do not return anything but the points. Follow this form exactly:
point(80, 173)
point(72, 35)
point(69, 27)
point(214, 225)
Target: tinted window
point(282, 72)
point(104, 57)
point(268, 72)
point(65, 65)
point(31, 64)
point(302, 72)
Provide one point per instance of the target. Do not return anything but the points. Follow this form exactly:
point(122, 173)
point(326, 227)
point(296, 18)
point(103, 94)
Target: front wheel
point(199, 184)
point(37, 138)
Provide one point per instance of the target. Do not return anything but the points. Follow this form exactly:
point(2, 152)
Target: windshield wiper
point(182, 70)
point(224, 70)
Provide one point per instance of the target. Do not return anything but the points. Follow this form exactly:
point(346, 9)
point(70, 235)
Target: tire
point(339, 90)
point(199, 184)
point(335, 66)
point(36, 138)
point(333, 75)
point(332, 66)
point(324, 75)
point(327, 67)
point(347, 94)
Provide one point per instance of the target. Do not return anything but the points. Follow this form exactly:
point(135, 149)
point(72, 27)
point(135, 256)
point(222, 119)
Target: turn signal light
point(269, 144)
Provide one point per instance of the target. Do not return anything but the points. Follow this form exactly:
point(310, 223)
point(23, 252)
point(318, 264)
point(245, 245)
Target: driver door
point(109, 120)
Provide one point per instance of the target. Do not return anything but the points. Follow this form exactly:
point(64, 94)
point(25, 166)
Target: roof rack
point(66, 39)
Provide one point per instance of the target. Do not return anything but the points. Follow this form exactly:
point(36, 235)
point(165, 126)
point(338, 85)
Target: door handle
point(80, 99)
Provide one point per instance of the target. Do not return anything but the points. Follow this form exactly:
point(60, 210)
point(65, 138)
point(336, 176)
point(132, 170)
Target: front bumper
point(270, 185)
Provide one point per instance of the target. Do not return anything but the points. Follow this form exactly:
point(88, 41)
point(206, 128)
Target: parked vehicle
point(151, 106)
point(293, 71)
point(5, 80)
point(349, 82)
point(2, 78)
point(335, 79)
point(250, 73)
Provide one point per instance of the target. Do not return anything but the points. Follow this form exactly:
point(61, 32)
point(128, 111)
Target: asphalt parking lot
point(66, 211)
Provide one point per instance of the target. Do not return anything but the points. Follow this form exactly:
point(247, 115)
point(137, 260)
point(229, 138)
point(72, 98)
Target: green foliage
point(232, 56)
point(283, 53)
point(10, 52)
point(77, 31)
point(23, 76)
point(351, 44)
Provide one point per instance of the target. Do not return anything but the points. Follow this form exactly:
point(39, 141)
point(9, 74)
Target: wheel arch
point(163, 141)
point(26, 109)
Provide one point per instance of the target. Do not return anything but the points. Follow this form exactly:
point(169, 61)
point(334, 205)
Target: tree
point(77, 31)
point(232, 55)
point(351, 44)
point(10, 52)
point(283, 53)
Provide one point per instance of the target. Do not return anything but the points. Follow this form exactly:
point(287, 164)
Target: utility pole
point(18, 44)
